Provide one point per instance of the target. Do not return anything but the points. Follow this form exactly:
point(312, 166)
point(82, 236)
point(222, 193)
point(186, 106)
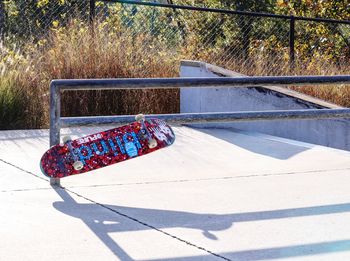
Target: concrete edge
point(284, 91)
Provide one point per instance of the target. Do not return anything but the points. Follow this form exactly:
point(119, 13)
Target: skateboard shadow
point(105, 219)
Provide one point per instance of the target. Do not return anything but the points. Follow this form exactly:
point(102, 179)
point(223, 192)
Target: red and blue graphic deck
point(105, 148)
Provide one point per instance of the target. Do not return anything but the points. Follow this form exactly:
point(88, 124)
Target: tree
point(327, 40)
point(33, 18)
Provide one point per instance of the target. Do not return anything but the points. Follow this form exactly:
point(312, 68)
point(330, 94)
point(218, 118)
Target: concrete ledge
point(332, 133)
point(276, 90)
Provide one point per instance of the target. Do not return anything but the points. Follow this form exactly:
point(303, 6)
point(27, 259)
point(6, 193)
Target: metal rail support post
point(55, 113)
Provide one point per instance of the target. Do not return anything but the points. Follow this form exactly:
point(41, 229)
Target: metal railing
point(57, 86)
point(56, 121)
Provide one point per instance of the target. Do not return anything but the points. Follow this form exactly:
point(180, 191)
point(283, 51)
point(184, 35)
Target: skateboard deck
point(106, 148)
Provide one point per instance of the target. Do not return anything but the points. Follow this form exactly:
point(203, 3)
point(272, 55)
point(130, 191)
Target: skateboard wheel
point(66, 139)
point(139, 117)
point(152, 143)
point(78, 165)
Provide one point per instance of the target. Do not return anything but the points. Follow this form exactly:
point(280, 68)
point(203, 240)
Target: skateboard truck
point(77, 165)
point(152, 143)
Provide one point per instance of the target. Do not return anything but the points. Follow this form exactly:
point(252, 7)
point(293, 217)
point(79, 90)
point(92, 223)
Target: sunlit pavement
point(214, 194)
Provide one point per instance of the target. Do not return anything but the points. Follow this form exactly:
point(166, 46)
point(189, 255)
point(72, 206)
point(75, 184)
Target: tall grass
point(12, 104)
point(21, 97)
point(76, 52)
point(338, 94)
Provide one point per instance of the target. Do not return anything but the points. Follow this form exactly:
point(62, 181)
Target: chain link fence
point(247, 44)
point(250, 43)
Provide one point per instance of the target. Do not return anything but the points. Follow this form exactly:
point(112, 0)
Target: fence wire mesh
point(249, 44)
point(243, 43)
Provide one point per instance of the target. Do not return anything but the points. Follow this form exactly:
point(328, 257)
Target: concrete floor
point(214, 194)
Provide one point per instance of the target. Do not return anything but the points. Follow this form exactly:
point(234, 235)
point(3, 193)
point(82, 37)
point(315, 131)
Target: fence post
point(2, 19)
point(291, 43)
point(92, 17)
point(92, 12)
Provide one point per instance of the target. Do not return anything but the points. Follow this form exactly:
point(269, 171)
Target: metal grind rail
point(57, 86)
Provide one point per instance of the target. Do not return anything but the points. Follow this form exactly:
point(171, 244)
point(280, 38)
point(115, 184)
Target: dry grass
point(81, 55)
point(270, 64)
point(338, 94)
point(74, 53)
point(21, 98)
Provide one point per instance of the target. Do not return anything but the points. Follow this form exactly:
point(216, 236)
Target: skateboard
point(105, 148)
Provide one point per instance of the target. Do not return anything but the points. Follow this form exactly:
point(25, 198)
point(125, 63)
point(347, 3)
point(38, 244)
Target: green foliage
point(12, 104)
point(339, 9)
point(316, 41)
point(33, 18)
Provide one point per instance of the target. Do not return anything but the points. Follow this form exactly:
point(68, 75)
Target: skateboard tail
point(51, 164)
point(42, 160)
point(43, 171)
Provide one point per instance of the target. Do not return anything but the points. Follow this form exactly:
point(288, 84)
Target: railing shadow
point(277, 252)
point(95, 219)
point(104, 219)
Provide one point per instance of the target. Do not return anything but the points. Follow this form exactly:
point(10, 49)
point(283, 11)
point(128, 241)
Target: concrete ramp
point(215, 194)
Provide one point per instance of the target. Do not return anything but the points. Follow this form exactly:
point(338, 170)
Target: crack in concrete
point(19, 168)
point(169, 181)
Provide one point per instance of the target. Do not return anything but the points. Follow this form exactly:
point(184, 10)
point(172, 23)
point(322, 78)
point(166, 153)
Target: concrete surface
point(215, 194)
point(331, 133)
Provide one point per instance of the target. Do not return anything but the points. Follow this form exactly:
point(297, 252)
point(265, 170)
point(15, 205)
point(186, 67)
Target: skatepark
point(256, 93)
point(235, 191)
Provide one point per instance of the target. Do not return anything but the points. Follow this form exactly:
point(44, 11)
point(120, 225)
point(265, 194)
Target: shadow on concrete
point(96, 218)
point(277, 252)
point(104, 219)
point(267, 147)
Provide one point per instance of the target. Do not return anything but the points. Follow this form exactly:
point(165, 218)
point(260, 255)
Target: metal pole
point(2, 19)
point(92, 12)
point(222, 82)
point(92, 21)
point(55, 113)
point(225, 11)
point(291, 43)
point(190, 118)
